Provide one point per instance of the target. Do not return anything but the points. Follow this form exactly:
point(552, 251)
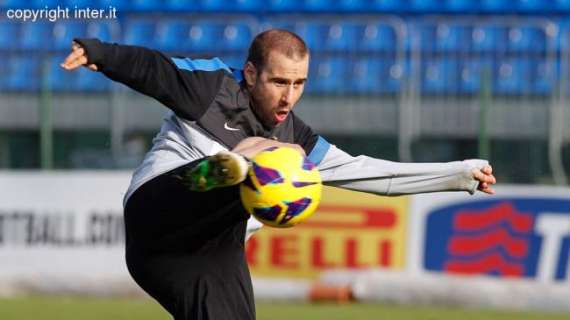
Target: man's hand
point(77, 58)
point(485, 178)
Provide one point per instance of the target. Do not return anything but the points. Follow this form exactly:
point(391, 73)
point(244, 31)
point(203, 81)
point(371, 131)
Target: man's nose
point(287, 95)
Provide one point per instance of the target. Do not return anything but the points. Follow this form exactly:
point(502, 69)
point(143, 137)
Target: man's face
point(277, 87)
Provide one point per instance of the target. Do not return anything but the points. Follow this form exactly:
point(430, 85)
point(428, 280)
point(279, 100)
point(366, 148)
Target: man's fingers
point(75, 59)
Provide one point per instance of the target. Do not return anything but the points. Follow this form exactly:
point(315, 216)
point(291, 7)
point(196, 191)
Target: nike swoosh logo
point(230, 128)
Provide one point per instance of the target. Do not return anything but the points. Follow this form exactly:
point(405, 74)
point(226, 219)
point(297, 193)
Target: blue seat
point(147, 5)
point(426, 6)
point(439, 76)
point(140, 33)
point(236, 36)
point(376, 76)
point(171, 35)
point(427, 37)
point(204, 36)
point(352, 5)
point(104, 31)
point(285, 6)
point(376, 37)
point(561, 5)
point(545, 75)
point(120, 5)
point(489, 38)
point(41, 4)
point(13, 4)
point(498, 6)
point(183, 5)
point(387, 5)
point(90, 81)
point(24, 74)
point(318, 5)
point(534, 5)
point(65, 31)
point(313, 33)
point(328, 75)
point(36, 36)
point(513, 77)
point(462, 6)
point(57, 78)
point(453, 37)
point(9, 32)
point(339, 36)
point(473, 72)
point(526, 39)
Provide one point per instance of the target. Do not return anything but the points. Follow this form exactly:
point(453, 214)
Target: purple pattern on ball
point(299, 184)
point(266, 175)
point(271, 149)
point(270, 213)
point(248, 183)
point(308, 164)
point(295, 208)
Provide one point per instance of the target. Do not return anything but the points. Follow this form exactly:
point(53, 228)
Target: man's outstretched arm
point(367, 174)
point(187, 91)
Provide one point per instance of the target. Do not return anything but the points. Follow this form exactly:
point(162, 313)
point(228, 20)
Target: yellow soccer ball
point(282, 188)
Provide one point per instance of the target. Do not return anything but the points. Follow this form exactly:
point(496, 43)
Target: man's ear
point(250, 74)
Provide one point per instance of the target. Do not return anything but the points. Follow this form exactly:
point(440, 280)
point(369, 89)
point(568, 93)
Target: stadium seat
point(171, 35)
point(440, 76)
point(387, 5)
point(233, 60)
point(467, 6)
point(204, 36)
point(140, 33)
point(561, 5)
point(498, 6)
point(427, 37)
point(284, 6)
point(183, 5)
point(147, 5)
point(453, 37)
point(376, 37)
point(36, 36)
point(9, 31)
point(57, 78)
point(318, 5)
point(313, 33)
point(426, 6)
point(236, 36)
point(13, 4)
point(489, 38)
point(472, 74)
point(41, 4)
point(90, 81)
point(534, 5)
point(544, 76)
point(375, 76)
point(328, 75)
point(246, 5)
point(65, 31)
point(104, 31)
point(526, 38)
point(352, 5)
point(120, 5)
point(23, 74)
point(513, 77)
point(339, 36)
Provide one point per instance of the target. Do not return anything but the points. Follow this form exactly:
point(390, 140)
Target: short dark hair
point(280, 40)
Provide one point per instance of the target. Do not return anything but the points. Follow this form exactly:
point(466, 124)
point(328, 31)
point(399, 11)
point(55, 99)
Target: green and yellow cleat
point(223, 169)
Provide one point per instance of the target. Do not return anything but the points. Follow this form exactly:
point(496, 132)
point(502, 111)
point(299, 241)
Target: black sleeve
point(187, 93)
point(304, 135)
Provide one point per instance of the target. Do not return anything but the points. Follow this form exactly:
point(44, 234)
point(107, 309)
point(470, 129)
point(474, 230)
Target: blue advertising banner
point(518, 236)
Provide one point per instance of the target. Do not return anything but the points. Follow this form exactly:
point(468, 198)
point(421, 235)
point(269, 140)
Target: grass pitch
point(140, 309)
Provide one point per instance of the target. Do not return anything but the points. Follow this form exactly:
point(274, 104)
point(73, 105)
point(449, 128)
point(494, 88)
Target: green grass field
point(119, 309)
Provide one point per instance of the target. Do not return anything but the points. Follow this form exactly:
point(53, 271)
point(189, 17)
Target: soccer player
point(185, 225)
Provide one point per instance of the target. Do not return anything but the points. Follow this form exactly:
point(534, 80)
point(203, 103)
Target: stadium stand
point(453, 51)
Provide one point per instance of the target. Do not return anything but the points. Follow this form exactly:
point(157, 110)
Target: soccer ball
point(282, 188)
